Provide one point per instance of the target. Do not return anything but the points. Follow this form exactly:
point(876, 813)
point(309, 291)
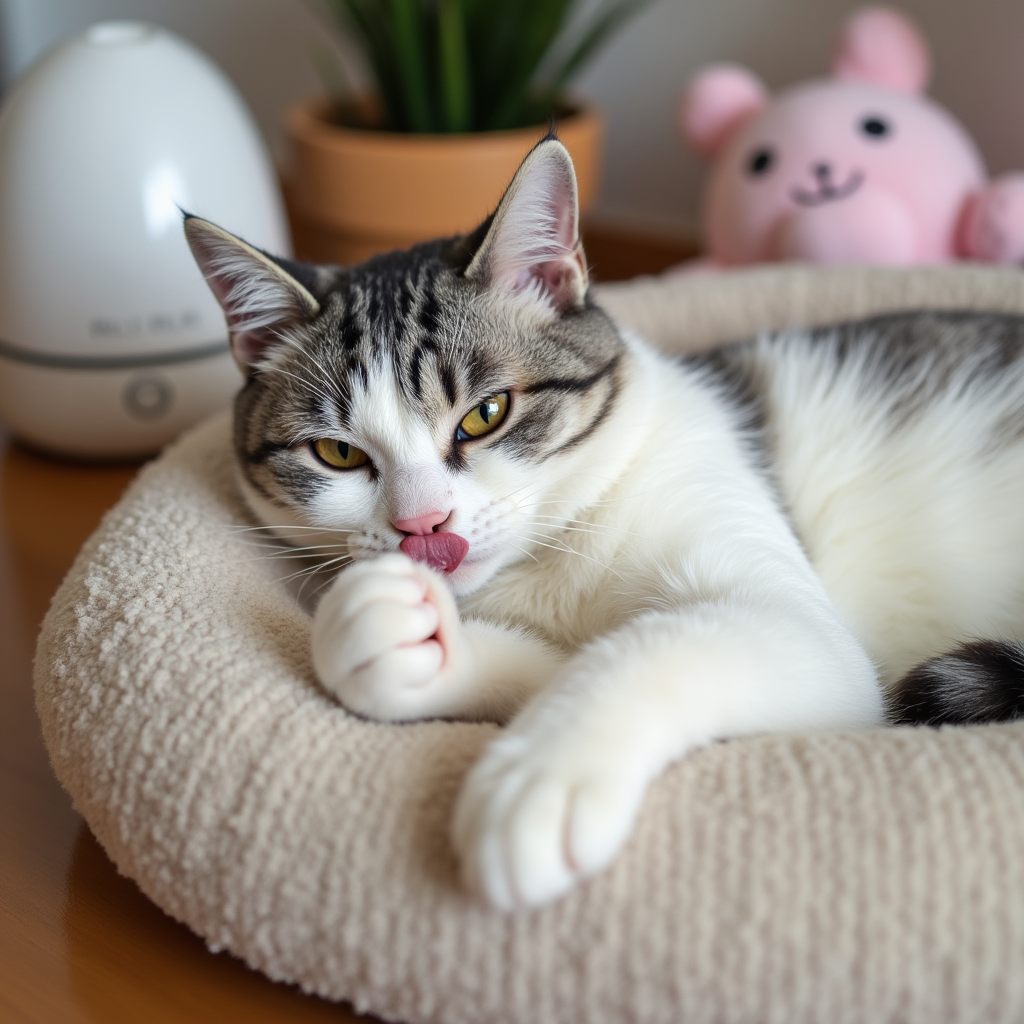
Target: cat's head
point(444, 401)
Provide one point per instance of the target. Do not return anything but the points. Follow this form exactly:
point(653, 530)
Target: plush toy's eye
point(339, 454)
point(484, 418)
point(875, 127)
point(760, 161)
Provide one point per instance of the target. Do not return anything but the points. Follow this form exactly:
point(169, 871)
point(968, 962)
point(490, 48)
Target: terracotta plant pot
point(355, 192)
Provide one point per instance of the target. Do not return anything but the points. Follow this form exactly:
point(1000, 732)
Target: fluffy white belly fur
point(916, 532)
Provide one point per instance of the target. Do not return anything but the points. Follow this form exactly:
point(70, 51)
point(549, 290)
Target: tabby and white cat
point(623, 555)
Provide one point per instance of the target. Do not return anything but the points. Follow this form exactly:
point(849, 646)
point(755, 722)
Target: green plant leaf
point(538, 25)
point(489, 28)
point(455, 71)
point(472, 65)
point(364, 17)
point(409, 39)
point(592, 39)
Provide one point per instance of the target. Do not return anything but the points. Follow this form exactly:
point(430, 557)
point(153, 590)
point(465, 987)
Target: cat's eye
point(484, 418)
point(760, 161)
point(875, 127)
point(339, 454)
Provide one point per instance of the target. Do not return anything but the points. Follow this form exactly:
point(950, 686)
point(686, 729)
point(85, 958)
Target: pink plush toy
point(857, 168)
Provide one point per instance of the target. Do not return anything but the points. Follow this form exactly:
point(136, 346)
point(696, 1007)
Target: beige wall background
point(268, 47)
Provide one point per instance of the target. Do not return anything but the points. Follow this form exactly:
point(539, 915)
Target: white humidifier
point(110, 340)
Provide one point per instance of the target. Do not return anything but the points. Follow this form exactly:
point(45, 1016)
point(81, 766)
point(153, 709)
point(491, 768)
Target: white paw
point(386, 639)
point(534, 818)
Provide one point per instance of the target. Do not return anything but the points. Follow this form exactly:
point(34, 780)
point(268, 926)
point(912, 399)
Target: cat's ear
point(533, 240)
point(258, 296)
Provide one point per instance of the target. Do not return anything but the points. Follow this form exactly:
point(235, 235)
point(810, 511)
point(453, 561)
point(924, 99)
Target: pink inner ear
point(249, 344)
point(883, 46)
point(535, 239)
point(557, 279)
point(251, 347)
point(715, 103)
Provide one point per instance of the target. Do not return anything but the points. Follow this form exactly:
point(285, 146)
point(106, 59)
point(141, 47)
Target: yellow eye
point(339, 454)
point(484, 418)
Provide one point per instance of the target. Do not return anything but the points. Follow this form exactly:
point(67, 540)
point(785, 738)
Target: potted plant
point(464, 88)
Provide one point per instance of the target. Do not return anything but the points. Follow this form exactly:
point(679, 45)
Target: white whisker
point(319, 567)
point(523, 551)
point(308, 385)
point(287, 526)
point(326, 583)
point(557, 527)
point(302, 553)
point(328, 378)
point(570, 551)
point(586, 527)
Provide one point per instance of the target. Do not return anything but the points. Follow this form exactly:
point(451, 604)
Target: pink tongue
point(441, 551)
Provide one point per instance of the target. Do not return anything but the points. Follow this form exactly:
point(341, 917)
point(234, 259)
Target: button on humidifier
point(110, 340)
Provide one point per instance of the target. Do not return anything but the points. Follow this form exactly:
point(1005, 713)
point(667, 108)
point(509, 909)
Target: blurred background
point(271, 48)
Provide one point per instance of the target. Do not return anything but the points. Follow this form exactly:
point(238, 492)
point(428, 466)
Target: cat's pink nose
point(420, 526)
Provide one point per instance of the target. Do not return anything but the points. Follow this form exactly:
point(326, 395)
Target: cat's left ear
point(533, 241)
point(258, 296)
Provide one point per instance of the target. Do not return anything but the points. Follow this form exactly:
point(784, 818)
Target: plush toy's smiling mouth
point(826, 192)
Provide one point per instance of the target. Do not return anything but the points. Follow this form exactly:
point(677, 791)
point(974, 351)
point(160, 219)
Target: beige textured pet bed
point(867, 877)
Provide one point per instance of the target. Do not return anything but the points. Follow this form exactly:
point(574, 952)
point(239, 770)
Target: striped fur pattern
point(644, 554)
point(407, 325)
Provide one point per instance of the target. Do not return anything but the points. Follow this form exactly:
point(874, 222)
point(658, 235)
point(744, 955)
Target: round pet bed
point(864, 877)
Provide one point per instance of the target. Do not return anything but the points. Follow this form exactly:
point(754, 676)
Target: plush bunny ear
point(883, 46)
point(715, 102)
point(258, 296)
point(533, 240)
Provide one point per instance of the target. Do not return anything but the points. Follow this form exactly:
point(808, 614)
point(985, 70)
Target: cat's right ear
point(259, 298)
point(533, 242)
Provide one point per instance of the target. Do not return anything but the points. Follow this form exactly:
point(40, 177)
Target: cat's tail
point(979, 681)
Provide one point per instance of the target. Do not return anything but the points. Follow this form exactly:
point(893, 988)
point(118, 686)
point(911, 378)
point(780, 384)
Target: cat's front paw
point(533, 819)
point(386, 640)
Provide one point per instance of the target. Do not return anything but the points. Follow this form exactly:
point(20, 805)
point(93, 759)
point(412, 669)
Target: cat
point(621, 555)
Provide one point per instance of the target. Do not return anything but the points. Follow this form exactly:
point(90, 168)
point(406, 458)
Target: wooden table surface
point(79, 942)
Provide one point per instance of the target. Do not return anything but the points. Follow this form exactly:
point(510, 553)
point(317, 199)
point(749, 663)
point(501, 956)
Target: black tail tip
point(979, 681)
